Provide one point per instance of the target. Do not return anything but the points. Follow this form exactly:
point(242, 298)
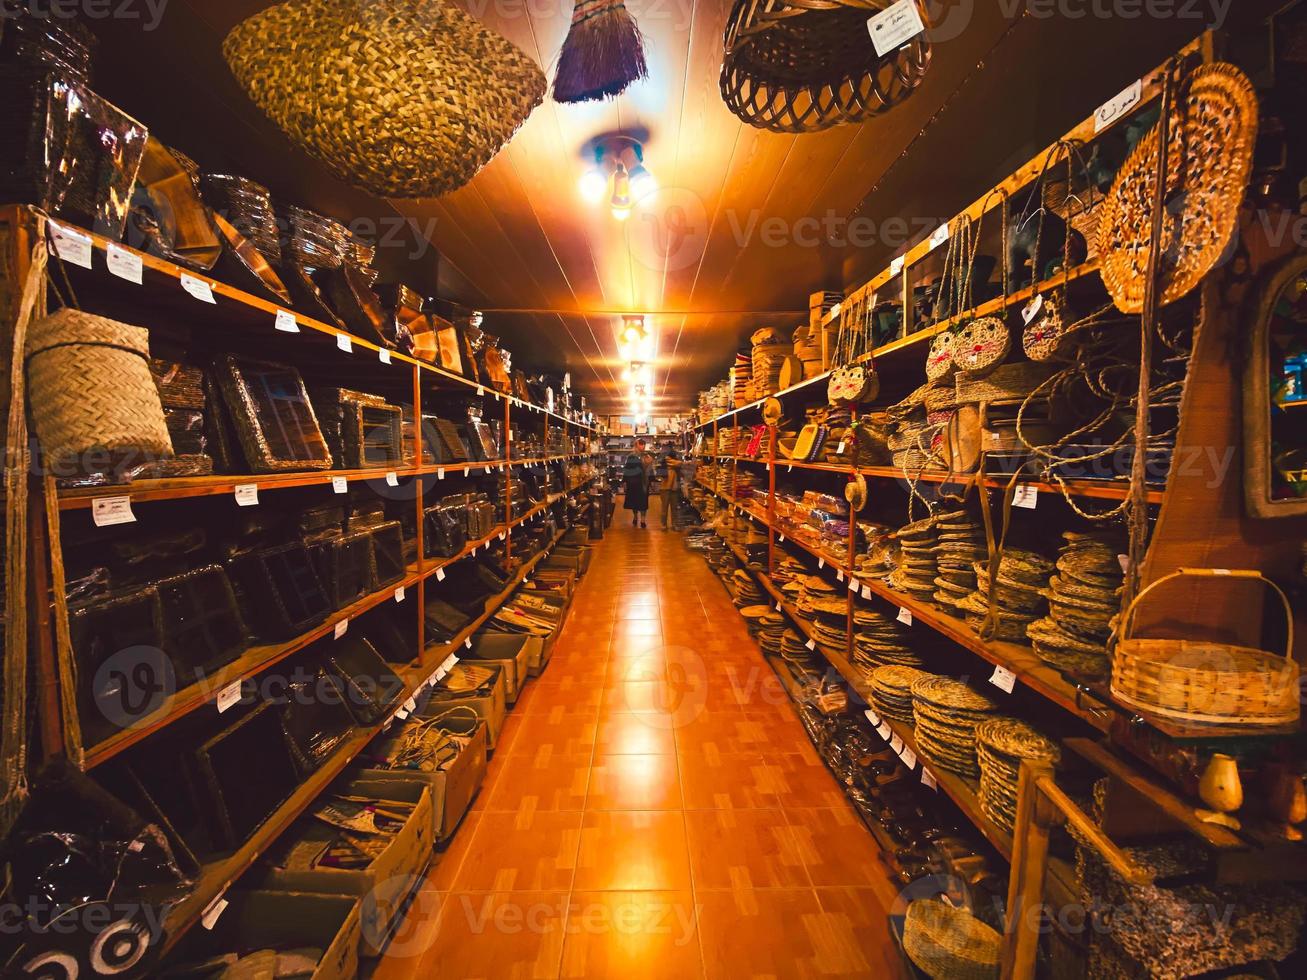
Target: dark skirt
point(637, 496)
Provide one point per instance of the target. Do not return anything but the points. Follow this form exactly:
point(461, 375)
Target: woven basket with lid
point(92, 391)
point(408, 98)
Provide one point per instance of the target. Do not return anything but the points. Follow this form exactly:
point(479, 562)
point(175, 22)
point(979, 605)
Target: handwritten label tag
point(124, 264)
point(71, 246)
point(229, 697)
point(872, 716)
point(905, 616)
point(210, 916)
point(821, 563)
point(1031, 309)
point(341, 629)
point(884, 731)
point(896, 744)
point(853, 585)
point(939, 236)
point(286, 322)
point(440, 474)
point(481, 392)
point(1124, 562)
point(108, 511)
point(895, 26)
point(247, 495)
point(909, 758)
point(928, 779)
point(198, 288)
point(839, 575)
point(339, 484)
point(392, 479)
point(1027, 496)
point(468, 643)
point(440, 575)
point(811, 645)
point(839, 450)
point(1003, 679)
point(896, 266)
point(866, 592)
point(344, 343)
point(400, 594)
point(1118, 105)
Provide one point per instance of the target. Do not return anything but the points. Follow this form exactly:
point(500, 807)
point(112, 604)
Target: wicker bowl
point(950, 944)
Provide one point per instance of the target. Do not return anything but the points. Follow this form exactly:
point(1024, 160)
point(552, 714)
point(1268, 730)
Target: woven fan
point(799, 66)
point(408, 98)
point(1209, 158)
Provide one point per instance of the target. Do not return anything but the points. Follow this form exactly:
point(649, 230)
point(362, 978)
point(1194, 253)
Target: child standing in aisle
point(672, 488)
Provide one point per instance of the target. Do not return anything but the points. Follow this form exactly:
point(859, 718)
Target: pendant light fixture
point(617, 176)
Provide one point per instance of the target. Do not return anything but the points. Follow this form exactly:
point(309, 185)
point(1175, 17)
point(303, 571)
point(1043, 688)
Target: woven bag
point(950, 944)
point(91, 390)
point(982, 345)
point(939, 362)
point(1205, 682)
point(408, 98)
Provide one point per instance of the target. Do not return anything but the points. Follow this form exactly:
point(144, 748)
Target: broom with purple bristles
point(602, 53)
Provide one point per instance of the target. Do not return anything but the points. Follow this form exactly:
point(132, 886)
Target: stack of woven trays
point(807, 348)
point(770, 348)
point(1018, 597)
point(947, 713)
point(744, 590)
point(248, 207)
point(916, 569)
point(312, 239)
point(961, 544)
point(771, 633)
point(1001, 744)
point(753, 618)
point(891, 692)
point(1083, 597)
point(880, 641)
point(788, 570)
point(800, 660)
point(742, 380)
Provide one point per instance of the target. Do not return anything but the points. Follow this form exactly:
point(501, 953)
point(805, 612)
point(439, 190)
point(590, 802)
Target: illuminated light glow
point(621, 214)
point(593, 185)
point(643, 183)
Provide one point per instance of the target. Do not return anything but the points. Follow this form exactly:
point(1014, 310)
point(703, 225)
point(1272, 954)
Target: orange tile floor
point(654, 808)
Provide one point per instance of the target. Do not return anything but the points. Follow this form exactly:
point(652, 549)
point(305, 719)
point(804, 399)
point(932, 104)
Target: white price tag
point(440, 474)
point(894, 26)
point(839, 575)
point(339, 484)
point(872, 716)
point(481, 392)
point(198, 288)
point(839, 450)
point(866, 592)
point(504, 534)
point(781, 540)
point(939, 236)
point(440, 575)
point(124, 264)
point(247, 495)
point(400, 594)
point(71, 246)
point(229, 697)
point(884, 731)
point(1003, 679)
point(474, 550)
point(821, 563)
point(487, 469)
point(411, 705)
point(392, 479)
point(285, 322)
point(401, 713)
point(905, 616)
point(928, 779)
point(1031, 309)
point(811, 645)
point(1117, 106)
point(1027, 496)
point(790, 468)
point(909, 758)
point(468, 643)
point(853, 586)
point(210, 916)
point(452, 660)
point(778, 607)
point(344, 343)
point(1124, 562)
point(896, 744)
point(341, 629)
point(108, 511)
point(383, 355)
point(896, 266)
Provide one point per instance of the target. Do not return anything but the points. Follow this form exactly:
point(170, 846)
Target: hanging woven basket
point(406, 99)
point(799, 66)
point(1209, 160)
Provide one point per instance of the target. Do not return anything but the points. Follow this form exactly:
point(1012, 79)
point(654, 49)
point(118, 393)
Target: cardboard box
point(282, 920)
point(385, 884)
point(509, 651)
point(537, 649)
point(454, 787)
point(491, 707)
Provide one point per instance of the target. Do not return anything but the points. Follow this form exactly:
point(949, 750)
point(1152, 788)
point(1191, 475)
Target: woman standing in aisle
point(637, 474)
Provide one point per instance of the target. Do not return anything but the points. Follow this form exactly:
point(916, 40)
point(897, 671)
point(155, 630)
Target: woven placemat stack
point(891, 692)
point(1001, 744)
point(947, 713)
point(916, 569)
point(961, 543)
point(880, 641)
point(742, 380)
point(744, 590)
point(770, 348)
point(1083, 598)
point(1018, 596)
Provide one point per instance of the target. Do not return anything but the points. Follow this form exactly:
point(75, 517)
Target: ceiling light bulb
point(593, 184)
point(621, 214)
point(643, 183)
point(621, 200)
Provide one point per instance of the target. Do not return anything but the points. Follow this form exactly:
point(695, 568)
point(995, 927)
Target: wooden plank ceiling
point(719, 251)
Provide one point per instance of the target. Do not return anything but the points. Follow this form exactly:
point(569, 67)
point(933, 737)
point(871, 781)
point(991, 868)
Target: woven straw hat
point(408, 98)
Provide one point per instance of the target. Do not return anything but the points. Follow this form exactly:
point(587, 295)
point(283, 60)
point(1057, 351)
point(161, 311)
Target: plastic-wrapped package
point(350, 294)
point(388, 554)
point(180, 385)
point(246, 771)
point(362, 430)
point(444, 531)
point(186, 430)
point(362, 679)
point(272, 414)
point(314, 724)
point(280, 590)
point(109, 685)
point(203, 629)
point(346, 566)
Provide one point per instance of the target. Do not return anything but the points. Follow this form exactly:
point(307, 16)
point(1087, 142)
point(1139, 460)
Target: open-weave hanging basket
point(408, 98)
point(799, 66)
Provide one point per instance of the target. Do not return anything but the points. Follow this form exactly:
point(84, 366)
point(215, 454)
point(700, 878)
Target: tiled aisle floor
point(654, 808)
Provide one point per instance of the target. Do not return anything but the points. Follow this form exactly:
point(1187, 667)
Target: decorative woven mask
point(406, 99)
point(982, 344)
point(1209, 158)
point(939, 362)
point(1045, 334)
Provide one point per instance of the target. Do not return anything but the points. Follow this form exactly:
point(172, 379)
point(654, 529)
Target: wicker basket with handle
point(1203, 681)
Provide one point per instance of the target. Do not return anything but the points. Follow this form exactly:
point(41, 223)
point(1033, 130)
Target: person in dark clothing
point(671, 488)
point(637, 474)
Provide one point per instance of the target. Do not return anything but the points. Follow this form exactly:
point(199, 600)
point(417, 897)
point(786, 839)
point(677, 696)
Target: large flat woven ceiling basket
point(407, 98)
point(799, 66)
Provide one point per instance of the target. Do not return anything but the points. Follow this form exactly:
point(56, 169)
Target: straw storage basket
point(1202, 681)
point(408, 98)
point(91, 390)
point(950, 944)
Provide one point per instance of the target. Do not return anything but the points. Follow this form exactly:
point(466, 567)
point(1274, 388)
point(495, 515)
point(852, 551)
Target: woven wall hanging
point(800, 66)
point(405, 99)
point(1208, 161)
